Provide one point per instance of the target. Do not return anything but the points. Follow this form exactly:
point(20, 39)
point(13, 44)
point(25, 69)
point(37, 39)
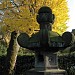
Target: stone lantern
point(45, 43)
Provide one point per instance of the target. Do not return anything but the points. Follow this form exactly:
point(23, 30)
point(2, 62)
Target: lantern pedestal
point(46, 63)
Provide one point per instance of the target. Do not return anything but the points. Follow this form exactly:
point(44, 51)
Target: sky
point(71, 22)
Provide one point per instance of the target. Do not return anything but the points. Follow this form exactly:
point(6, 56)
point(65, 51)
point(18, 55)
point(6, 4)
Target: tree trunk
point(12, 52)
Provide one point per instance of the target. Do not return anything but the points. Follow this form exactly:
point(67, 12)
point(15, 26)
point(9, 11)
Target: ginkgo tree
point(22, 16)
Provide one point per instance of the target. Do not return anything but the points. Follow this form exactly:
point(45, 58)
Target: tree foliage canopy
point(21, 14)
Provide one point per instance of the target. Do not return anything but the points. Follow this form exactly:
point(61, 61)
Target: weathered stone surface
point(68, 38)
point(23, 40)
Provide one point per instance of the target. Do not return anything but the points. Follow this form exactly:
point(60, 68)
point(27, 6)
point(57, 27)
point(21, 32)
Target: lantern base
point(47, 72)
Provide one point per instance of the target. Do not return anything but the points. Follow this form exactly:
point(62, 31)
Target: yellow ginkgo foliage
point(23, 17)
